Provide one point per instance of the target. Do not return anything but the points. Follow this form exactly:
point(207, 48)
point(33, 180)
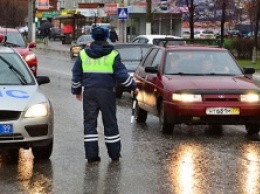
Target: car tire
point(165, 126)
point(119, 92)
point(43, 153)
point(140, 114)
point(252, 129)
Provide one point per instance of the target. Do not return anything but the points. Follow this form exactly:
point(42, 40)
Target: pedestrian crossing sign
point(122, 13)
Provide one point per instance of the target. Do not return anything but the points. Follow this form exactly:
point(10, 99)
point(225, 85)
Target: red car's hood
point(23, 51)
point(174, 83)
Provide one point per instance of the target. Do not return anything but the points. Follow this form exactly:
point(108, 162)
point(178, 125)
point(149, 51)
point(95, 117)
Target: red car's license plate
point(6, 129)
point(222, 111)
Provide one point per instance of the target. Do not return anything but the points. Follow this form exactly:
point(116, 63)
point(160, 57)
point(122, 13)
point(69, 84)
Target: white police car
point(26, 114)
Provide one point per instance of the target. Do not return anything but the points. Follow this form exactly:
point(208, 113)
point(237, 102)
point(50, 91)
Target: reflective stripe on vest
point(99, 65)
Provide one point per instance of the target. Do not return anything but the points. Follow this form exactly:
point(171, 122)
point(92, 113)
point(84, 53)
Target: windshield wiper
point(182, 73)
point(11, 44)
point(16, 72)
point(177, 73)
point(218, 74)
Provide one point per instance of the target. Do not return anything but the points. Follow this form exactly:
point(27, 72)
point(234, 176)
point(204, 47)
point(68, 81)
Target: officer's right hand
point(135, 92)
point(79, 97)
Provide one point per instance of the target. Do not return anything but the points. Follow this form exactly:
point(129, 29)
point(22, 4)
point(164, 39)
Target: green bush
point(244, 48)
point(229, 44)
point(241, 48)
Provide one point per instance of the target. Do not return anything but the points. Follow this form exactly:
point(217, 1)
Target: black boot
point(94, 159)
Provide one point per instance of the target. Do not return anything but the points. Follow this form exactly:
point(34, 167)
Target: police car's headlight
point(29, 57)
point(37, 110)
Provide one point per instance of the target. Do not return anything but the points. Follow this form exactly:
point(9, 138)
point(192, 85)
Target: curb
point(64, 52)
point(256, 77)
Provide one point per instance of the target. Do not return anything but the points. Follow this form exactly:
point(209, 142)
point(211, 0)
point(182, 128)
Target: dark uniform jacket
point(100, 80)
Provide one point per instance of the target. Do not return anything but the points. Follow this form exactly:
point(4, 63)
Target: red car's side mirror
point(32, 45)
point(2, 38)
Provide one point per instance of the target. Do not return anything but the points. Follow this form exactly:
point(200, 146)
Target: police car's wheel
point(140, 114)
point(165, 126)
point(43, 152)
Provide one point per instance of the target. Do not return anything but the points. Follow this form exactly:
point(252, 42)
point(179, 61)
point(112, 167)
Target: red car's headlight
point(29, 57)
point(187, 97)
point(249, 98)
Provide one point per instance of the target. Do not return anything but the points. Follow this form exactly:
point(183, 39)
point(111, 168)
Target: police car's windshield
point(13, 70)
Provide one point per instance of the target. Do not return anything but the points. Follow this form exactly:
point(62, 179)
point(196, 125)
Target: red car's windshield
point(16, 38)
point(200, 62)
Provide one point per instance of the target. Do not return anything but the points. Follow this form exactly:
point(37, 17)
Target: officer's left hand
point(79, 97)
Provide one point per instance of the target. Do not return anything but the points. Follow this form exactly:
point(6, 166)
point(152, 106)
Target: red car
point(16, 40)
point(196, 85)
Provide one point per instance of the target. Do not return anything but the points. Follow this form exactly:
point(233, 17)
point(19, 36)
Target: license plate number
point(222, 111)
point(6, 128)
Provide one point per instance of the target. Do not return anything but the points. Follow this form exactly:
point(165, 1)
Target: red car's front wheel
point(165, 126)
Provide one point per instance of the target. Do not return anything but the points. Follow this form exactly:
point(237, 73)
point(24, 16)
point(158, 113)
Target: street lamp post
point(31, 18)
point(148, 16)
point(257, 17)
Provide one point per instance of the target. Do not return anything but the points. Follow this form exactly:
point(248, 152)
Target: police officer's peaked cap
point(100, 33)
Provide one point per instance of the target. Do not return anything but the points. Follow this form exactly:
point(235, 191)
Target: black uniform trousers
point(104, 100)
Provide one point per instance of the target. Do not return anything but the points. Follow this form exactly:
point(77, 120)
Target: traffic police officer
point(97, 69)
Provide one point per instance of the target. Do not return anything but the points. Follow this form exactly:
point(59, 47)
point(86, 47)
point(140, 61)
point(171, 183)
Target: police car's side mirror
point(42, 80)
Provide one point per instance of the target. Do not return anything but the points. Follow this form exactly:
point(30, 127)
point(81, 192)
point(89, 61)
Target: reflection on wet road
point(195, 171)
point(188, 161)
point(23, 175)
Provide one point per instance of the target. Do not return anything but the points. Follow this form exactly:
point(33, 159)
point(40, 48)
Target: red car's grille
point(221, 98)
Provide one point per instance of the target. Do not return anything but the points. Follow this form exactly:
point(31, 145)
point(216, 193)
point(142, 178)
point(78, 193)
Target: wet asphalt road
point(192, 160)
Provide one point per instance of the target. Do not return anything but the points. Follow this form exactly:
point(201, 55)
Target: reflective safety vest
point(98, 65)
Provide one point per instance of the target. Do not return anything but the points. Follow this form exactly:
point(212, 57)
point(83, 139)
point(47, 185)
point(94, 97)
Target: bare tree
point(13, 14)
point(223, 20)
point(191, 8)
point(193, 14)
point(253, 9)
point(257, 21)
